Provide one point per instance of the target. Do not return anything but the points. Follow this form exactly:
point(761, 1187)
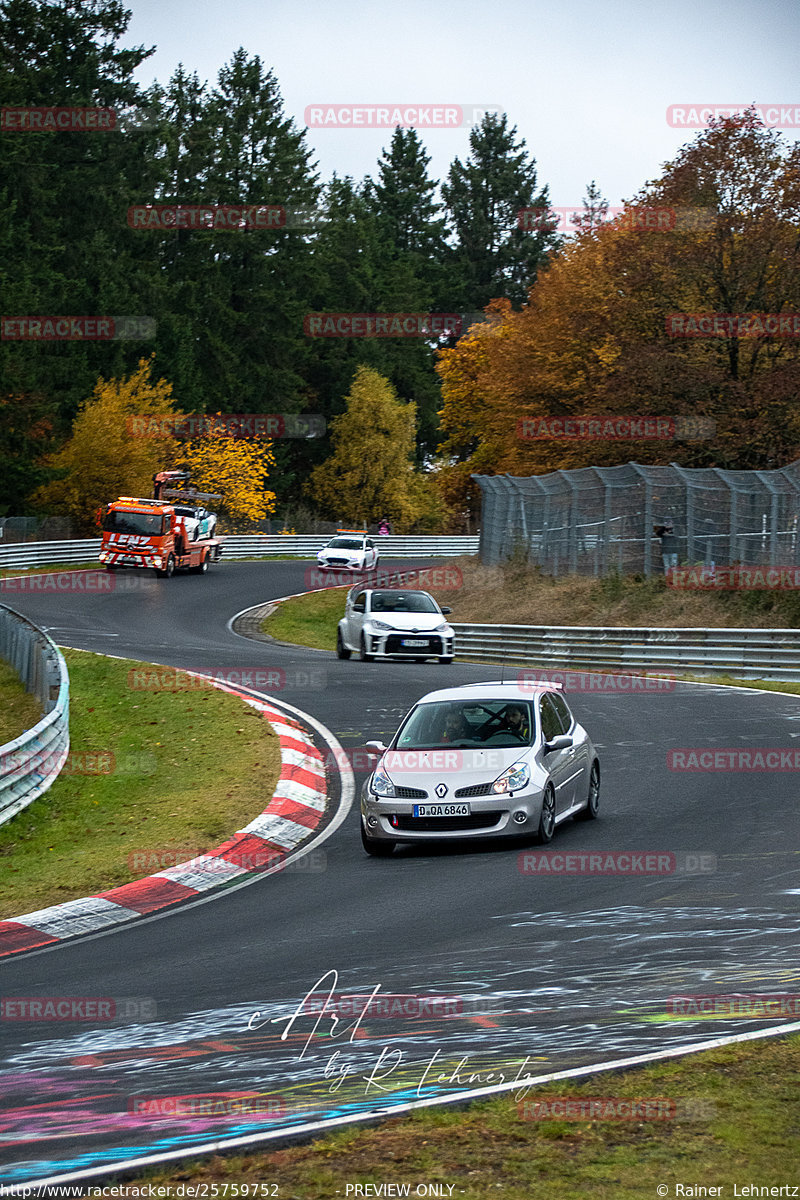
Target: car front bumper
point(499, 815)
point(389, 644)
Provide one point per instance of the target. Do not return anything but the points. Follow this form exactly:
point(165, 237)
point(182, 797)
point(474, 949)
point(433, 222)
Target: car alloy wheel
point(593, 800)
point(547, 818)
point(341, 649)
point(364, 656)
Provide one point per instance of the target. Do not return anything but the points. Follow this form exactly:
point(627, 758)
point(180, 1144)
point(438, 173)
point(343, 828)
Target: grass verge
point(311, 620)
point(734, 1122)
point(519, 594)
point(19, 710)
point(308, 620)
point(149, 771)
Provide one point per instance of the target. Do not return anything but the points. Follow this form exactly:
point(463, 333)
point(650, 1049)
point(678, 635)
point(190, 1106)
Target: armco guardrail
point(743, 653)
point(29, 765)
point(244, 545)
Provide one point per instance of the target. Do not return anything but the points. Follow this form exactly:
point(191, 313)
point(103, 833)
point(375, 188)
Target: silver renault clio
point(482, 760)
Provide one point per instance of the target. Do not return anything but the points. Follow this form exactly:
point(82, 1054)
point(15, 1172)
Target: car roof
point(494, 689)
point(392, 591)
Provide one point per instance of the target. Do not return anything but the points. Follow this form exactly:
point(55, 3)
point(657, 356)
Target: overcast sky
point(587, 84)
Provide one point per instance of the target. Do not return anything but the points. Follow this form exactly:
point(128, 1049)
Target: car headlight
point(513, 778)
point(381, 784)
point(443, 628)
point(380, 625)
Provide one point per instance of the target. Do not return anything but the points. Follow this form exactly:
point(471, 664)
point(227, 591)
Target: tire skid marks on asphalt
point(295, 810)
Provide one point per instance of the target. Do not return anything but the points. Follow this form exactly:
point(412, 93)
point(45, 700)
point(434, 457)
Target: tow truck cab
point(151, 534)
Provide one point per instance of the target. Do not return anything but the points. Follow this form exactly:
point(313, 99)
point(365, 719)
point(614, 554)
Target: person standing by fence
point(669, 545)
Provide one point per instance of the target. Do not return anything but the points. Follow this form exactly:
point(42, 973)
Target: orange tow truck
point(154, 533)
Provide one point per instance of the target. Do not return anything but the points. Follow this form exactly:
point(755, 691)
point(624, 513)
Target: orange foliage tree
point(593, 338)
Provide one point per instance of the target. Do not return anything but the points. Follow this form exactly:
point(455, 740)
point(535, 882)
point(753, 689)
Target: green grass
point(308, 620)
point(736, 1123)
point(173, 770)
point(311, 620)
point(18, 709)
point(44, 568)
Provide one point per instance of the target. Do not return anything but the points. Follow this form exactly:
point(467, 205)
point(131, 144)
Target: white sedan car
point(348, 552)
point(394, 623)
point(484, 760)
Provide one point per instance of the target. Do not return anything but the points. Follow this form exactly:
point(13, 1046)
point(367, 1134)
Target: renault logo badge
point(441, 790)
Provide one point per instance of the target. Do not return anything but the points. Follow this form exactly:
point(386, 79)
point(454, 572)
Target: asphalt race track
point(504, 973)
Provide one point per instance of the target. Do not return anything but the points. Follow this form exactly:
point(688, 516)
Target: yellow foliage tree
point(370, 473)
point(103, 457)
point(236, 468)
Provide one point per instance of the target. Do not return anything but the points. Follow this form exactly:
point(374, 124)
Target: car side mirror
point(446, 610)
point(376, 748)
point(562, 742)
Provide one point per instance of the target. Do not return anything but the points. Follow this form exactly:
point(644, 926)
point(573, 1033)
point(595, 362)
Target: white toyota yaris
point(394, 623)
point(483, 760)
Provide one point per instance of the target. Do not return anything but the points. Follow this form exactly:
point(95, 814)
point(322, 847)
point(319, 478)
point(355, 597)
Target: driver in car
point(515, 720)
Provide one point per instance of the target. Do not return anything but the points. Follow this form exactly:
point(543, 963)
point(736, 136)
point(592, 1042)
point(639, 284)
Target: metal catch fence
point(596, 520)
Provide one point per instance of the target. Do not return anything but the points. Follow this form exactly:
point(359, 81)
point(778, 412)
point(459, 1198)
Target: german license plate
point(441, 810)
point(417, 642)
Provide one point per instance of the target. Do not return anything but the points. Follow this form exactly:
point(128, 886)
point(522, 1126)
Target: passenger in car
point(456, 728)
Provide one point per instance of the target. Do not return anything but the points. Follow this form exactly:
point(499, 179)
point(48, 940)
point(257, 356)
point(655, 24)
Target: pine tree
point(493, 257)
point(67, 250)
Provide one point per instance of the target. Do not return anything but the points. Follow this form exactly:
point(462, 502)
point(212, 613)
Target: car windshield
point(400, 602)
point(467, 723)
point(345, 544)
point(147, 524)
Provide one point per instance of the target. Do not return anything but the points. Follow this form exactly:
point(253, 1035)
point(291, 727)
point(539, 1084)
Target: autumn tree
point(594, 338)
point(108, 454)
point(237, 469)
point(370, 473)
